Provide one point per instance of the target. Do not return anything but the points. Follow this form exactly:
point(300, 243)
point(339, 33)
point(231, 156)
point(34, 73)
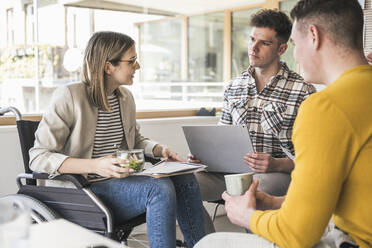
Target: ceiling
point(162, 7)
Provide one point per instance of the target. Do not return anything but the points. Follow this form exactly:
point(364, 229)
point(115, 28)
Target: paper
point(167, 167)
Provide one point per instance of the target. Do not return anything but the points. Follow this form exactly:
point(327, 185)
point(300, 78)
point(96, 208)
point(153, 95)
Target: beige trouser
point(244, 240)
point(332, 238)
point(233, 240)
point(212, 185)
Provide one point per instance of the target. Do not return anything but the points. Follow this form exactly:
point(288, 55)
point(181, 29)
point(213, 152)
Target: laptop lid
point(221, 148)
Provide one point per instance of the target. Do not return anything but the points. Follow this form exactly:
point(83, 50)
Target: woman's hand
point(108, 166)
point(192, 159)
point(170, 155)
point(166, 153)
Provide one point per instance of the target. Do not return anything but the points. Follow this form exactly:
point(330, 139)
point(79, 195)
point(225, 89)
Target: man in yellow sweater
point(332, 137)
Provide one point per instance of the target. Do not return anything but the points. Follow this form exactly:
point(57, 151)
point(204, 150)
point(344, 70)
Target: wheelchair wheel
point(39, 211)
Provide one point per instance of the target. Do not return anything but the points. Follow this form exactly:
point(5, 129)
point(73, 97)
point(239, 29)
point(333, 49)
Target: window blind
point(368, 27)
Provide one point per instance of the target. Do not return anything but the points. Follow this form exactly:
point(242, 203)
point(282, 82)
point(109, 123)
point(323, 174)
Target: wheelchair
point(78, 205)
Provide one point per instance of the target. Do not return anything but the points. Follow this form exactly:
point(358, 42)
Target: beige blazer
point(68, 128)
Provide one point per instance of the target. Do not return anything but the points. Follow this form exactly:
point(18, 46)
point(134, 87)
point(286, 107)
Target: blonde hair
point(102, 47)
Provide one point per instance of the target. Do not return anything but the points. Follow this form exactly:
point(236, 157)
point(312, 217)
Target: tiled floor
point(138, 238)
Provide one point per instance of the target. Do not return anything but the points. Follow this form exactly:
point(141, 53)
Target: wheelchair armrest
point(78, 180)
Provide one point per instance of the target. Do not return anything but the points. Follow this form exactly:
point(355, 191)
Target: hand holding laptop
point(257, 162)
point(192, 159)
point(260, 162)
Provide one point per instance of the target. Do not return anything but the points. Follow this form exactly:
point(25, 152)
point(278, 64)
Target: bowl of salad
point(133, 159)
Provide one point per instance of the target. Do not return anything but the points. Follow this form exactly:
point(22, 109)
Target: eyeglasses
point(130, 61)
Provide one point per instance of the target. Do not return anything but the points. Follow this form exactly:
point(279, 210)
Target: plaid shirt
point(270, 114)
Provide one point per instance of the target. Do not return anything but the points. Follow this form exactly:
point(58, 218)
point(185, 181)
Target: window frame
point(11, 120)
point(10, 32)
point(227, 56)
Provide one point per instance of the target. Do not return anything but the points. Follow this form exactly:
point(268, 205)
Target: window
point(187, 51)
point(160, 55)
point(205, 47)
point(29, 25)
point(78, 27)
point(286, 6)
point(239, 41)
point(205, 60)
point(171, 78)
point(10, 27)
point(160, 49)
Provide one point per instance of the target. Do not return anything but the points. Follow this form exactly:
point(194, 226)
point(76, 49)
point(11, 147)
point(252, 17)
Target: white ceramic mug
point(238, 184)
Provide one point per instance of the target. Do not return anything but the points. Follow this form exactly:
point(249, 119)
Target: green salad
point(136, 165)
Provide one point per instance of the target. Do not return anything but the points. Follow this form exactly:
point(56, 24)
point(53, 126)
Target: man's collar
point(282, 73)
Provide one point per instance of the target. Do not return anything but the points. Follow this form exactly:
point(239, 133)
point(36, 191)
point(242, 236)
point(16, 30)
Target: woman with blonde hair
point(85, 124)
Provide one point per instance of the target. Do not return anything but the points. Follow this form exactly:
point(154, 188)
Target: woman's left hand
point(170, 155)
point(166, 153)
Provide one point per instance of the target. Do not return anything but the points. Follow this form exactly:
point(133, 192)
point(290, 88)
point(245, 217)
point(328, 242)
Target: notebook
point(171, 168)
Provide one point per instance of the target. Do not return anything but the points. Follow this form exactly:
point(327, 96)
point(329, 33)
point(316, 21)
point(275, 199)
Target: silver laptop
point(221, 148)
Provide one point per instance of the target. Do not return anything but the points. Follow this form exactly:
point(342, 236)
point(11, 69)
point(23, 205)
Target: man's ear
point(282, 48)
point(108, 67)
point(314, 33)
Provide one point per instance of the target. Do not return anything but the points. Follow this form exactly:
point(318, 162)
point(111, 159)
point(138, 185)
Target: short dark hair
point(342, 20)
point(274, 19)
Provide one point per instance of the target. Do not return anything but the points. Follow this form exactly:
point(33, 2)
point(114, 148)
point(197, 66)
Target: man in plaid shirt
point(265, 98)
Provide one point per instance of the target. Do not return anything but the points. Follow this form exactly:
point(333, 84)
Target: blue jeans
point(163, 199)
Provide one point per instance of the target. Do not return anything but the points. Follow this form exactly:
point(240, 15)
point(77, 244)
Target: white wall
point(11, 162)
point(165, 131)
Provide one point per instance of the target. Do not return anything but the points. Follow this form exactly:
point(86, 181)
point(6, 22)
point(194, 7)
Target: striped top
point(269, 115)
point(109, 131)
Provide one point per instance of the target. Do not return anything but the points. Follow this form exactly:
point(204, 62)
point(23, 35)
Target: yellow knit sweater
point(333, 167)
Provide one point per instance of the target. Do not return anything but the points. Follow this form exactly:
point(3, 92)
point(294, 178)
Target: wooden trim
point(227, 46)
point(184, 48)
point(272, 4)
point(168, 113)
point(24, 24)
point(208, 12)
point(161, 19)
point(165, 113)
point(91, 22)
point(66, 25)
point(10, 120)
point(139, 37)
point(251, 6)
point(298, 69)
